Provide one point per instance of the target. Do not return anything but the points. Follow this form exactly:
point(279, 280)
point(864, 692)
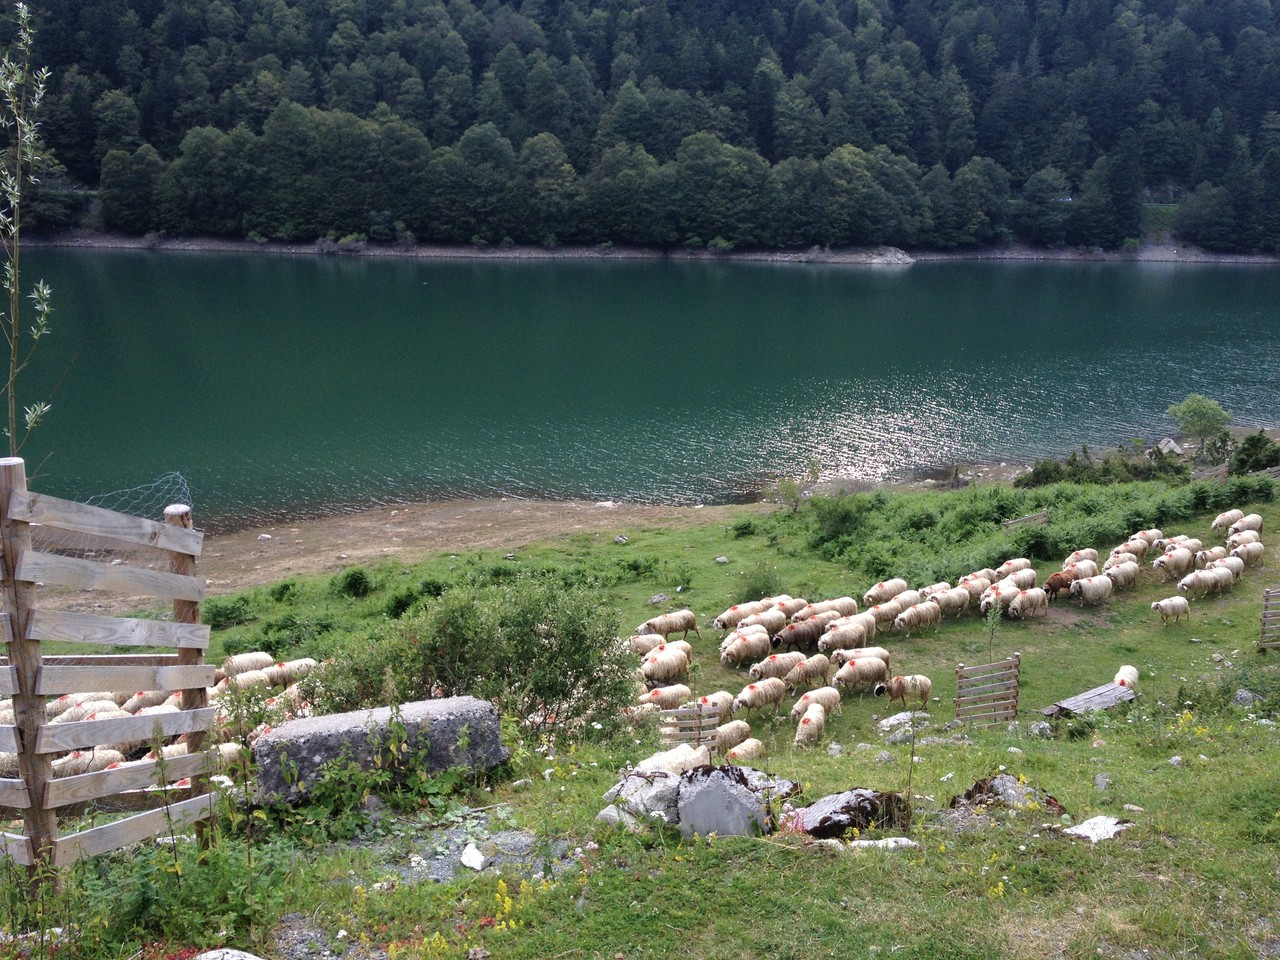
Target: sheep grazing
point(1124, 575)
point(862, 673)
point(754, 696)
point(1175, 607)
point(799, 635)
point(808, 670)
point(1250, 553)
point(1225, 577)
point(1025, 579)
point(642, 645)
point(1200, 582)
point(1234, 564)
point(883, 612)
point(934, 588)
point(790, 606)
point(684, 646)
point(841, 657)
point(772, 620)
point(917, 618)
point(1118, 558)
point(1224, 520)
point(1092, 589)
point(1029, 603)
point(85, 761)
point(665, 663)
point(907, 598)
point(1001, 594)
point(144, 698)
point(722, 700)
point(1057, 582)
point(737, 613)
point(954, 601)
point(1127, 676)
point(1206, 557)
point(1076, 555)
point(900, 688)
point(669, 623)
point(1136, 546)
point(749, 749)
point(667, 698)
point(1194, 544)
point(1151, 536)
point(775, 665)
point(844, 606)
point(743, 645)
point(809, 729)
point(829, 697)
point(1252, 522)
point(729, 735)
point(975, 587)
point(1083, 568)
point(244, 662)
point(1175, 564)
point(843, 638)
point(1243, 537)
point(885, 590)
point(986, 573)
point(1013, 566)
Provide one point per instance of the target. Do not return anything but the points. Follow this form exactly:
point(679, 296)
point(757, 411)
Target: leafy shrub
point(353, 582)
point(761, 581)
point(293, 633)
point(746, 527)
point(1114, 467)
point(1256, 452)
point(282, 591)
point(223, 612)
point(400, 601)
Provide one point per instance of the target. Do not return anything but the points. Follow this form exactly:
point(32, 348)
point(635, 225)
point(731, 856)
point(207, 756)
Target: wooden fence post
point(24, 654)
point(188, 611)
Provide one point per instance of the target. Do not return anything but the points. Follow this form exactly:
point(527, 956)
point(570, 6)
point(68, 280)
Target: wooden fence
point(692, 725)
point(1270, 638)
point(1041, 519)
point(1218, 473)
point(31, 676)
point(987, 694)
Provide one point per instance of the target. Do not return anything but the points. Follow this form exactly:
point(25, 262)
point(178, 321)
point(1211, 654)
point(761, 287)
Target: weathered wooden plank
point(17, 849)
point(99, 522)
point(1099, 698)
point(989, 716)
point(13, 793)
point(6, 627)
point(8, 681)
point(1003, 676)
point(63, 626)
point(113, 836)
point(977, 669)
point(58, 680)
point(983, 703)
point(131, 776)
point(35, 567)
point(980, 690)
point(8, 738)
point(57, 737)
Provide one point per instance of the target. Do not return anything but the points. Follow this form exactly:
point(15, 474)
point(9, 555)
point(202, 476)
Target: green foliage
point(1199, 416)
point(1256, 452)
point(282, 591)
point(746, 527)
point(222, 612)
point(353, 582)
point(1113, 467)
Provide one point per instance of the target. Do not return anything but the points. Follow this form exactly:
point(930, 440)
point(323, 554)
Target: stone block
point(454, 731)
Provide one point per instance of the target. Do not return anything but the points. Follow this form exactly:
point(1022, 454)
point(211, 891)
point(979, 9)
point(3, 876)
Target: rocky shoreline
point(877, 256)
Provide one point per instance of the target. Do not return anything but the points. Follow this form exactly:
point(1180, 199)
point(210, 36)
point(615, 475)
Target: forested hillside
point(923, 123)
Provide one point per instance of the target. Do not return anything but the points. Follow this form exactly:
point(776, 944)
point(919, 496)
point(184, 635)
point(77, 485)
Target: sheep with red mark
point(844, 606)
point(841, 657)
point(1251, 522)
point(1205, 557)
point(1250, 553)
point(1243, 537)
point(1089, 553)
point(1092, 589)
point(954, 601)
point(668, 623)
point(1033, 602)
point(917, 618)
point(809, 729)
point(1226, 580)
point(1226, 519)
point(729, 735)
point(791, 606)
point(862, 673)
point(1013, 566)
point(1125, 575)
point(721, 700)
point(829, 697)
point(975, 587)
point(642, 645)
point(775, 665)
point(913, 686)
point(749, 749)
point(885, 590)
point(942, 586)
point(755, 696)
point(773, 620)
point(1174, 564)
point(1127, 676)
point(843, 638)
point(1234, 564)
point(664, 663)
point(1118, 558)
point(1200, 582)
point(986, 573)
point(1083, 568)
point(738, 612)
point(883, 612)
point(1136, 546)
point(808, 670)
point(1151, 536)
point(666, 698)
point(1022, 579)
point(1000, 594)
point(1175, 607)
point(743, 645)
point(1057, 582)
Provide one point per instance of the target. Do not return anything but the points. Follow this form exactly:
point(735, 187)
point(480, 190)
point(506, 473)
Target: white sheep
point(722, 700)
point(775, 665)
point(1118, 558)
point(1000, 594)
point(1234, 564)
point(1164, 543)
point(1175, 607)
point(790, 606)
point(899, 688)
point(772, 620)
point(986, 573)
point(808, 670)
point(1013, 566)
point(975, 587)
point(954, 601)
point(1194, 544)
point(1250, 553)
point(668, 623)
point(1136, 546)
point(1076, 555)
point(940, 587)
point(884, 590)
point(1033, 602)
point(684, 646)
point(829, 697)
point(749, 749)
point(841, 657)
point(1174, 564)
point(743, 645)
point(754, 696)
point(1198, 581)
point(1151, 536)
point(738, 612)
point(1225, 577)
point(1124, 575)
point(1083, 568)
point(1127, 676)
point(863, 673)
point(729, 735)
point(917, 618)
point(1205, 557)
point(664, 663)
point(844, 606)
point(643, 644)
point(883, 612)
point(1244, 536)
point(242, 663)
point(842, 638)
point(1252, 522)
point(809, 729)
point(907, 598)
point(1092, 589)
point(1224, 520)
point(666, 698)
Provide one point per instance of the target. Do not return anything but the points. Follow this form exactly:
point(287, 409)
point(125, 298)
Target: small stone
point(1101, 781)
point(508, 556)
point(658, 598)
point(884, 756)
point(1203, 757)
point(901, 735)
point(864, 746)
point(722, 559)
point(473, 858)
point(1245, 698)
point(264, 536)
point(521, 784)
point(681, 589)
point(1099, 743)
point(834, 750)
point(1196, 640)
point(1014, 750)
point(619, 539)
point(1175, 761)
point(1133, 808)
point(1040, 728)
point(1217, 658)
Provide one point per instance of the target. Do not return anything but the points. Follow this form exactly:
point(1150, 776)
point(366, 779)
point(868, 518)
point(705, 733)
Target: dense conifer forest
point(720, 123)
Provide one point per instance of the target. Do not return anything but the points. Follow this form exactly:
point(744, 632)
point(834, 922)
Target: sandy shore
point(882, 256)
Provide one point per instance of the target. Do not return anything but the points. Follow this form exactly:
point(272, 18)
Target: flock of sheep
point(243, 671)
point(788, 644)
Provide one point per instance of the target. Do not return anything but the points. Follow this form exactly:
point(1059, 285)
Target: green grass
point(1194, 877)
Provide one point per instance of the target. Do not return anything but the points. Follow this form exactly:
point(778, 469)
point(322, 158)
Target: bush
point(282, 591)
point(1256, 452)
point(761, 581)
point(223, 612)
point(353, 582)
point(542, 652)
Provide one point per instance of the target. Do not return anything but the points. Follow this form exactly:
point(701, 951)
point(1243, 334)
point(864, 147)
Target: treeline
point(734, 122)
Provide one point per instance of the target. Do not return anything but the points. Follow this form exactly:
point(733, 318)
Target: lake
point(278, 386)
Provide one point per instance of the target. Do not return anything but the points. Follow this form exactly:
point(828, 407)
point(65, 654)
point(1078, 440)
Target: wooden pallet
point(1040, 519)
point(1270, 636)
point(1099, 698)
point(987, 694)
point(692, 725)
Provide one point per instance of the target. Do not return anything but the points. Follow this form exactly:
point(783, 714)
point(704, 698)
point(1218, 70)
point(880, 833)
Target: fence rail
point(1270, 636)
point(31, 676)
point(692, 725)
point(987, 694)
point(1031, 519)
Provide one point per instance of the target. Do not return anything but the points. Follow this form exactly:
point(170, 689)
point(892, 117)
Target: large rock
point(438, 734)
point(730, 801)
point(649, 790)
point(860, 809)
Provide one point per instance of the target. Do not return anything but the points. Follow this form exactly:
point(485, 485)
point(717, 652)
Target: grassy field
point(1198, 875)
